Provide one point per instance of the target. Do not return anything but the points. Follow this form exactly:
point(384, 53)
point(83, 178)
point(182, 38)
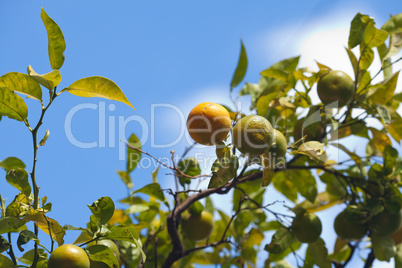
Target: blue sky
point(174, 53)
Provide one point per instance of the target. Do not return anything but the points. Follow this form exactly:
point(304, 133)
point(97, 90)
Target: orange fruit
point(306, 227)
point(68, 256)
point(335, 86)
point(386, 223)
point(348, 230)
point(208, 123)
point(198, 227)
point(253, 134)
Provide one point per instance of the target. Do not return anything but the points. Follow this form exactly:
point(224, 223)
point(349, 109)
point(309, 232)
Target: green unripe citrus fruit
point(313, 131)
point(253, 134)
point(208, 123)
point(348, 230)
point(386, 223)
point(110, 244)
point(306, 227)
point(335, 86)
point(280, 146)
point(198, 227)
point(68, 256)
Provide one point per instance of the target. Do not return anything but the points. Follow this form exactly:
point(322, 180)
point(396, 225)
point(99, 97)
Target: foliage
point(149, 232)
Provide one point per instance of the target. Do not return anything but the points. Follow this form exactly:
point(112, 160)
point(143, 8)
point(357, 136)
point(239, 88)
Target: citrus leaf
point(125, 177)
point(21, 83)
point(357, 29)
point(313, 149)
point(48, 225)
point(374, 37)
point(45, 137)
point(102, 253)
point(188, 166)
point(223, 171)
point(28, 257)
point(366, 58)
point(280, 256)
point(12, 105)
point(383, 92)
point(49, 80)
point(254, 237)
point(285, 186)
point(241, 68)
point(84, 237)
point(383, 247)
point(6, 262)
point(18, 178)
point(102, 209)
point(380, 139)
point(126, 233)
point(4, 244)
point(56, 43)
point(317, 254)
point(276, 73)
point(398, 256)
point(353, 59)
point(133, 156)
point(10, 224)
point(97, 86)
point(281, 241)
point(384, 114)
point(24, 237)
point(12, 163)
point(307, 186)
point(152, 189)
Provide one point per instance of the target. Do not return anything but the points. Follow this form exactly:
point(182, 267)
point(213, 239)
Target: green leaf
point(366, 58)
point(190, 167)
point(28, 257)
point(48, 225)
point(19, 206)
point(384, 114)
point(384, 91)
point(393, 24)
point(56, 43)
point(276, 73)
point(24, 237)
point(18, 178)
point(335, 186)
point(4, 244)
point(241, 68)
point(253, 90)
point(85, 236)
point(307, 186)
point(383, 247)
point(12, 105)
point(285, 186)
point(280, 256)
point(102, 253)
point(313, 149)
point(21, 83)
point(12, 163)
point(10, 224)
point(281, 241)
point(125, 177)
point(152, 189)
point(374, 37)
point(353, 60)
point(317, 254)
point(49, 80)
point(136, 208)
point(126, 233)
point(133, 156)
point(45, 137)
point(97, 86)
point(102, 209)
point(357, 29)
point(5, 262)
point(223, 170)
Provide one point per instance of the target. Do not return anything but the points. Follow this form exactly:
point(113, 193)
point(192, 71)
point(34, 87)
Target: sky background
point(166, 56)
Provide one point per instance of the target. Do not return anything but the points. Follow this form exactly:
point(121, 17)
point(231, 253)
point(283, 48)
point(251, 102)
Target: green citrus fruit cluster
point(306, 227)
point(208, 123)
point(198, 227)
point(336, 86)
point(254, 135)
point(67, 256)
point(349, 230)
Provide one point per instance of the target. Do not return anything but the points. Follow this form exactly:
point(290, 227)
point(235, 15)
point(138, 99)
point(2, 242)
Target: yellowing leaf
point(97, 86)
point(47, 225)
point(380, 139)
point(49, 80)
point(21, 83)
point(56, 43)
point(383, 92)
point(119, 217)
point(240, 69)
point(314, 150)
point(12, 105)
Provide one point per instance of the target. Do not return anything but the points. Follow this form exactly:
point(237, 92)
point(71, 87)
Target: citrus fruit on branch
point(67, 256)
point(386, 223)
point(312, 130)
point(306, 227)
point(279, 147)
point(253, 134)
point(335, 86)
point(349, 230)
point(198, 227)
point(208, 123)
